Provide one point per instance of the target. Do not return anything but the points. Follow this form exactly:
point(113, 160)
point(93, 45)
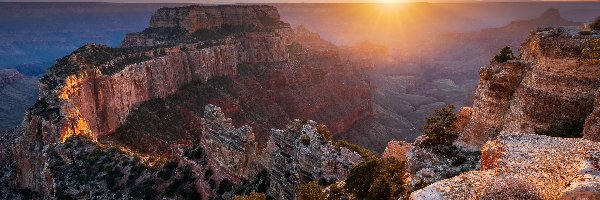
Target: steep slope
point(554, 81)
point(17, 92)
point(147, 100)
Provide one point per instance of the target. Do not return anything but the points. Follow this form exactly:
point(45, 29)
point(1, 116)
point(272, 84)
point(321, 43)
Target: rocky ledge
point(554, 81)
point(198, 23)
point(526, 166)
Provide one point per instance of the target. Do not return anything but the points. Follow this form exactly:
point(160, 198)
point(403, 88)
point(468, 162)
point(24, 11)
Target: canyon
point(145, 101)
point(216, 102)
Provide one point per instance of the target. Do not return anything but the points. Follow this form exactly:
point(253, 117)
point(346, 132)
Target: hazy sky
point(271, 1)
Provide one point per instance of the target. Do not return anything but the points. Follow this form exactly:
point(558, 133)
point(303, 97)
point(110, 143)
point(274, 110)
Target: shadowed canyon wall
point(95, 90)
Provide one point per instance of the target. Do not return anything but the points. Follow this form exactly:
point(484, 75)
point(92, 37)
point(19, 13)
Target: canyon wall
point(94, 91)
point(194, 18)
point(554, 81)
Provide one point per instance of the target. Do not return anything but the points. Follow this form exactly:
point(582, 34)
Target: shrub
point(305, 140)
point(595, 25)
point(505, 54)
point(377, 179)
point(365, 153)
point(593, 50)
point(310, 191)
point(251, 196)
point(335, 192)
point(440, 128)
point(563, 129)
point(324, 132)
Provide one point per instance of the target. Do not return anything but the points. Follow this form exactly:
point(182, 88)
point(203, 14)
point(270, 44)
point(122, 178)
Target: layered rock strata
point(95, 90)
point(554, 81)
point(300, 154)
point(525, 166)
point(491, 103)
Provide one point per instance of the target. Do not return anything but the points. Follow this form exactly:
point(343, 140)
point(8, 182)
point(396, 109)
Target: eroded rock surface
point(522, 166)
point(148, 97)
point(300, 153)
point(554, 81)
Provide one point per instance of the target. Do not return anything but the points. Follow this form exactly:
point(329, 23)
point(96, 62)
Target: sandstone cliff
point(148, 98)
point(553, 81)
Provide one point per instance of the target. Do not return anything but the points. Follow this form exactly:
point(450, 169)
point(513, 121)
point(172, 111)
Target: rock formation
point(396, 149)
point(300, 153)
point(591, 129)
point(553, 81)
point(148, 97)
point(525, 166)
point(497, 85)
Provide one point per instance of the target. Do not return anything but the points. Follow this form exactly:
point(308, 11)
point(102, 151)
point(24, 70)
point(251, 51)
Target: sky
point(278, 1)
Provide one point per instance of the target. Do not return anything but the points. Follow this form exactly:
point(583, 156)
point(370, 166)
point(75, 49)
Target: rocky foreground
point(549, 90)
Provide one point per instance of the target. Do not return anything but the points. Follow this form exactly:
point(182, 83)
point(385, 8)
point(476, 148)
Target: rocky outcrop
point(497, 84)
point(524, 166)
point(98, 91)
point(233, 150)
point(591, 129)
point(553, 81)
point(194, 18)
point(195, 23)
point(300, 154)
point(396, 149)
point(586, 185)
point(426, 165)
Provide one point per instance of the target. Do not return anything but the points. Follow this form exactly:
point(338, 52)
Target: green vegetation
point(336, 192)
point(310, 191)
point(377, 179)
point(324, 132)
point(364, 152)
point(440, 128)
point(81, 168)
point(505, 54)
point(305, 140)
point(593, 50)
point(563, 129)
point(251, 196)
point(595, 25)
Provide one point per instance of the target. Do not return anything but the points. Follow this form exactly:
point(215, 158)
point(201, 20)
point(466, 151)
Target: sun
point(390, 1)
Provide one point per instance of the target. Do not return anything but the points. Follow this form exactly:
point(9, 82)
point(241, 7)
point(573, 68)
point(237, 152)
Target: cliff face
point(148, 96)
point(591, 129)
point(497, 85)
point(300, 153)
point(554, 81)
point(194, 18)
point(295, 155)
